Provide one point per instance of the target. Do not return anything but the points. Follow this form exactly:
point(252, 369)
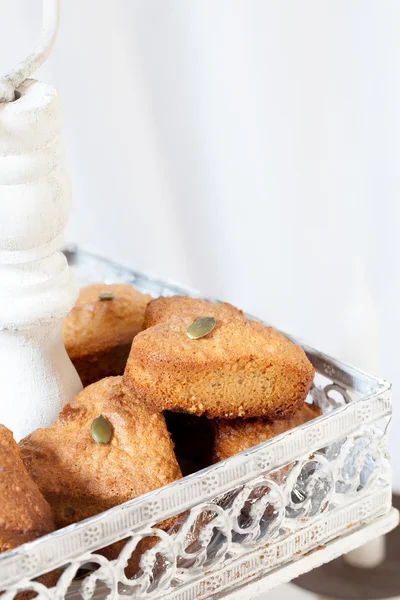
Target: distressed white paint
point(37, 288)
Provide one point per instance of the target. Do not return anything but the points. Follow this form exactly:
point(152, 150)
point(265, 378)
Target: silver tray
point(246, 524)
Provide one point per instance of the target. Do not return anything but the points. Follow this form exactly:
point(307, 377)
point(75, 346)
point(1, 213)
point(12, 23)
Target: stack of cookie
point(203, 372)
point(223, 382)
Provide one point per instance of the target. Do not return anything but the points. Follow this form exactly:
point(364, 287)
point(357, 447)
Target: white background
point(249, 148)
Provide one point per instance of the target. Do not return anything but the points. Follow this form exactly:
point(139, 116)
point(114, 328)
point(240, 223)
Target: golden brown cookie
point(234, 436)
point(80, 477)
point(99, 330)
point(24, 513)
point(240, 369)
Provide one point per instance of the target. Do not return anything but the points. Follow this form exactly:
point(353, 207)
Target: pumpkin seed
point(101, 430)
point(104, 296)
point(200, 327)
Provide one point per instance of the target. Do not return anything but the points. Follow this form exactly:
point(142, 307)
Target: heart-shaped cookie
point(82, 469)
point(239, 368)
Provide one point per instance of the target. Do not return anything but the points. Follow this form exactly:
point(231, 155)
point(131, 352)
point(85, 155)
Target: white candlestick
point(37, 288)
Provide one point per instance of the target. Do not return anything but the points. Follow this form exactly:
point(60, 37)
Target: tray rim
point(8, 559)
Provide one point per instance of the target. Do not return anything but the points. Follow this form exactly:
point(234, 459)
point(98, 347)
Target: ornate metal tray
point(246, 524)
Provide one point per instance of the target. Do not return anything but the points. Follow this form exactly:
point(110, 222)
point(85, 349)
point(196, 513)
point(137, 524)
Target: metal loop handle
point(50, 21)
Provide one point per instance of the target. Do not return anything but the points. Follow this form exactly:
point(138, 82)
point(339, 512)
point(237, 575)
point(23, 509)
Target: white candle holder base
point(369, 556)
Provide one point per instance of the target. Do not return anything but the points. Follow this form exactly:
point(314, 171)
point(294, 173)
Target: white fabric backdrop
point(249, 148)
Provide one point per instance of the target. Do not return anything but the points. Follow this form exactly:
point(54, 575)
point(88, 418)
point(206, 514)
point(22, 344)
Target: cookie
point(99, 330)
point(24, 513)
point(241, 368)
point(237, 435)
point(80, 477)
